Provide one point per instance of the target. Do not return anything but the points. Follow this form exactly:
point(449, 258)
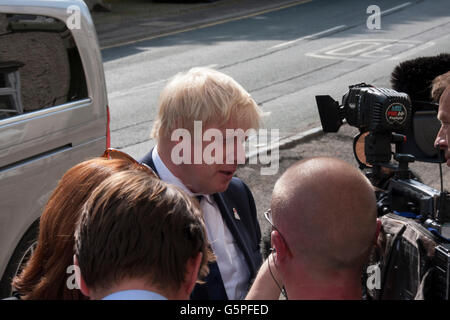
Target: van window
point(40, 66)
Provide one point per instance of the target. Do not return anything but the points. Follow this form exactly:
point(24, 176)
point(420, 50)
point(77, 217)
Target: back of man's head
point(134, 226)
point(326, 211)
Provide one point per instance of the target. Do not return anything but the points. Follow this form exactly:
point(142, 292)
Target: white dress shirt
point(230, 260)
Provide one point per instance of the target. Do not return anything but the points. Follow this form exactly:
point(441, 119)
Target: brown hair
point(136, 226)
point(45, 275)
point(439, 84)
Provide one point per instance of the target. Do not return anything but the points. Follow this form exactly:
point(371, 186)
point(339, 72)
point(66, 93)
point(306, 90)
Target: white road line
point(311, 36)
point(144, 86)
point(207, 25)
point(395, 8)
point(132, 90)
point(407, 53)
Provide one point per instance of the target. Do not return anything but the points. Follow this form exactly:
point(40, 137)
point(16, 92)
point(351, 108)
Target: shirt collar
point(134, 295)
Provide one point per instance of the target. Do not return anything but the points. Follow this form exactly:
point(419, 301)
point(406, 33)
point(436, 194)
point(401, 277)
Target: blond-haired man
point(204, 117)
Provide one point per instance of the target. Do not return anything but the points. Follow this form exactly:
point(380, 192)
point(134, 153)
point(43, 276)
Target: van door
point(53, 111)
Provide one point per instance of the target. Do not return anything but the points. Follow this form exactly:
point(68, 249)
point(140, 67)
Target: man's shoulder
point(238, 190)
point(236, 184)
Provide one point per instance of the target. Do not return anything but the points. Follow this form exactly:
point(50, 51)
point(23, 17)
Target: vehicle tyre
point(19, 258)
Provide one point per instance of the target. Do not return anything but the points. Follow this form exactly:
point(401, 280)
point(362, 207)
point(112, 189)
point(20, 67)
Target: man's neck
point(324, 293)
point(324, 287)
point(131, 284)
point(164, 153)
point(165, 157)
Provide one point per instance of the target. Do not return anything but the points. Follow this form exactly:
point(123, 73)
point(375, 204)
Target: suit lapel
point(213, 288)
point(236, 229)
point(148, 160)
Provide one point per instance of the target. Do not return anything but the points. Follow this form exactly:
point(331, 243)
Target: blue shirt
point(134, 295)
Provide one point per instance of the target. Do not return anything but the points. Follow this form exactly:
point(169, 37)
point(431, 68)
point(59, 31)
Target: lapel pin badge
point(236, 216)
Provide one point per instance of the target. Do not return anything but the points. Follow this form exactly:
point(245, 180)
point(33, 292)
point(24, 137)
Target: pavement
point(131, 21)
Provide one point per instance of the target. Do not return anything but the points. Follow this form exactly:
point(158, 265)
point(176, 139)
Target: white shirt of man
point(229, 257)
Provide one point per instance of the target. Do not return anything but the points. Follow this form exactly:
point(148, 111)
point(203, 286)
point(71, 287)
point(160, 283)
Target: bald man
point(323, 215)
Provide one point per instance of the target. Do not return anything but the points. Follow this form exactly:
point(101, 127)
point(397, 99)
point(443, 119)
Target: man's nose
point(441, 141)
point(438, 142)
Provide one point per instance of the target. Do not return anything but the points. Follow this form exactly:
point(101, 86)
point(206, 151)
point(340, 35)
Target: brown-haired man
point(139, 238)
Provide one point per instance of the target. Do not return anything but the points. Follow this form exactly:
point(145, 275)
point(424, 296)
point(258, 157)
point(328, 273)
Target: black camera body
point(384, 118)
point(367, 108)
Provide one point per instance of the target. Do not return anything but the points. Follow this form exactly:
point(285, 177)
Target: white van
point(53, 113)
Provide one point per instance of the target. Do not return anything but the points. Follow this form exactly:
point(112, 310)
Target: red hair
point(45, 275)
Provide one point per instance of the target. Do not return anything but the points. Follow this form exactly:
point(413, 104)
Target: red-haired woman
point(45, 275)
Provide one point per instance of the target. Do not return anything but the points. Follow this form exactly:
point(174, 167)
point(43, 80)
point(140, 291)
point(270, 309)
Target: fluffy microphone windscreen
point(414, 76)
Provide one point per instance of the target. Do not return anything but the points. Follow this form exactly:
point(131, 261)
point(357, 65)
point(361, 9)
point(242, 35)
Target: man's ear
point(79, 278)
point(281, 250)
point(377, 232)
point(192, 269)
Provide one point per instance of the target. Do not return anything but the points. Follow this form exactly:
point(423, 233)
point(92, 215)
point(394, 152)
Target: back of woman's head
point(46, 274)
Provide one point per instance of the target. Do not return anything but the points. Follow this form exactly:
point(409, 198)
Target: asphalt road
point(283, 58)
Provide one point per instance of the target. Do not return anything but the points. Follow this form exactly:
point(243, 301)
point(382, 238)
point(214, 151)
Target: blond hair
point(207, 95)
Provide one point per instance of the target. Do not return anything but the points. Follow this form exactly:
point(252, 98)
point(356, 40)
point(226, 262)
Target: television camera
point(384, 118)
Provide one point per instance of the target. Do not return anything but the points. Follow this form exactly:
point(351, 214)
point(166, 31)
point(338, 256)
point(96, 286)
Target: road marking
point(407, 53)
point(309, 37)
point(395, 8)
point(286, 142)
point(206, 25)
point(359, 47)
point(120, 93)
point(337, 28)
point(366, 49)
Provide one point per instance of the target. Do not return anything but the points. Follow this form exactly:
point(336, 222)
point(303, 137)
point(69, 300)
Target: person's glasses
point(268, 216)
point(111, 153)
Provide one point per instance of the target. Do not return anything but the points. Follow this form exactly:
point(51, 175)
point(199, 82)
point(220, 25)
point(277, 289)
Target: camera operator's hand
point(267, 282)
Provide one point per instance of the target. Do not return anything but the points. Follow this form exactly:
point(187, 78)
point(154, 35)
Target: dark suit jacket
point(245, 231)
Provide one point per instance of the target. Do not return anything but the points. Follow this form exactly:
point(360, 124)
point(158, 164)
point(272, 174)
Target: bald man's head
point(326, 210)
